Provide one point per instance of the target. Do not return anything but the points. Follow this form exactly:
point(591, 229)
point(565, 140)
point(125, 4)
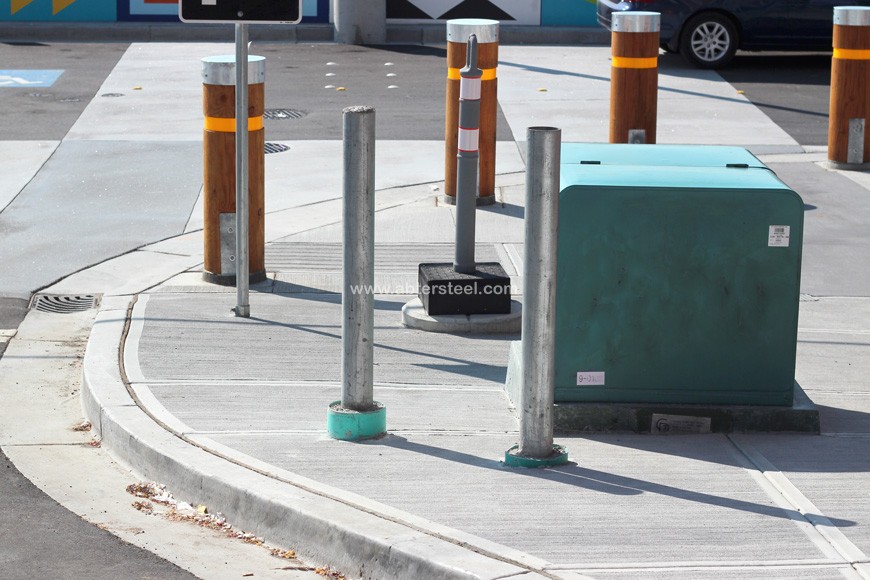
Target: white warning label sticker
point(586, 379)
point(778, 236)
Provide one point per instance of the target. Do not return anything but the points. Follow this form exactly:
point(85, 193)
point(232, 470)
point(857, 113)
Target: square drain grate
point(64, 303)
point(279, 114)
point(276, 148)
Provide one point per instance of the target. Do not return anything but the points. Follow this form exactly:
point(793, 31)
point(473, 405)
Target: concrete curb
point(354, 534)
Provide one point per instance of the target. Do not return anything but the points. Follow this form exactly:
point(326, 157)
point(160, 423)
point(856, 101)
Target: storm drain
point(63, 303)
point(279, 114)
point(276, 148)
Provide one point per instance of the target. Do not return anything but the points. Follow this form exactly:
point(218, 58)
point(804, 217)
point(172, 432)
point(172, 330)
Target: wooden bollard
point(634, 75)
point(219, 162)
point(848, 140)
point(458, 32)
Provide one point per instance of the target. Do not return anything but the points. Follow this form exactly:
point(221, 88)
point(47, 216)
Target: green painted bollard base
point(349, 425)
point(559, 457)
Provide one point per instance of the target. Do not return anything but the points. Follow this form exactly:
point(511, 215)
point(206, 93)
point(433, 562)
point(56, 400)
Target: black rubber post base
point(487, 290)
point(230, 279)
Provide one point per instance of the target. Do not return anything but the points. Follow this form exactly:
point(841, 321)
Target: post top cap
point(460, 29)
point(636, 22)
point(221, 70)
point(852, 15)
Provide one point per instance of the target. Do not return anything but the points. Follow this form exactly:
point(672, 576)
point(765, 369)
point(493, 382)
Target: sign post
point(241, 13)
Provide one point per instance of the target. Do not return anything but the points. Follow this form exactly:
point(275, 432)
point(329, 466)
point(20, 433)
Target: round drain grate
point(64, 304)
point(278, 114)
point(276, 148)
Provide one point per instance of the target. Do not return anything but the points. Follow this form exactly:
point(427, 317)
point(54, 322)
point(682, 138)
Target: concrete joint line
point(359, 535)
point(844, 548)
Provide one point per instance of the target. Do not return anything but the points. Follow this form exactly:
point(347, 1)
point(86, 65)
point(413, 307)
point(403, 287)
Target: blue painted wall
point(553, 12)
point(124, 10)
point(43, 11)
point(568, 13)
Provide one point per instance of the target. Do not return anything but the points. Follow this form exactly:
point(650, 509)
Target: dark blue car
point(709, 33)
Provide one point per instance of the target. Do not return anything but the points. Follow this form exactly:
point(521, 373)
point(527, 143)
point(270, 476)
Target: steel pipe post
point(848, 141)
point(243, 303)
point(357, 415)
point(467, 158)
point(536, 448)
point(634, 77)
point(458, 32)
point(219, 169)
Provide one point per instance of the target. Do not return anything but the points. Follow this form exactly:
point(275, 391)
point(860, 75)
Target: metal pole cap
point(460, 29)
point(636, 22)
point(221, 70)
point(852, 15)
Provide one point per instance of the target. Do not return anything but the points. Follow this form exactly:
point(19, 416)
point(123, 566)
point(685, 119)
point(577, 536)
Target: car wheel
point(709, 40)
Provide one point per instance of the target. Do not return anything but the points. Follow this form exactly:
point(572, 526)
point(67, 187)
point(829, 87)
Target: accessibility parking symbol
point(28, 78)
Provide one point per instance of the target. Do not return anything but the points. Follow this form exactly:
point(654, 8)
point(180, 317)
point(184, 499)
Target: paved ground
point(50, 540)
point(231, 412)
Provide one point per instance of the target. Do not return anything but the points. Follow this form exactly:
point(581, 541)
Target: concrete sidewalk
point(231, 412)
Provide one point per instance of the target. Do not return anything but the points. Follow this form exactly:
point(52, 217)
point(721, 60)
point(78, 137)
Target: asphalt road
point(42, 539)
point(792, 89)
point(405, 85)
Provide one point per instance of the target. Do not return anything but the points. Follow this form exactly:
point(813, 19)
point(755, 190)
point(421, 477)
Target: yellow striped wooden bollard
point(634, 77)
point(219, 162)
point(850, 82)
point(458, 32)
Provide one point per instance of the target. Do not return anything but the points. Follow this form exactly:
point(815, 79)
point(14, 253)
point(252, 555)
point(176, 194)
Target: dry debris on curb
point(178, 511)
point(83, 426)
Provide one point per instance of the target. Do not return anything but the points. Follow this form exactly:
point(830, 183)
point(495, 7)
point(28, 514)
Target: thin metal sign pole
point(243, 306)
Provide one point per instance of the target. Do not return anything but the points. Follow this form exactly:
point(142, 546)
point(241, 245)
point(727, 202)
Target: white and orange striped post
point(467, 158)
point(458, 32)
point(848, 139)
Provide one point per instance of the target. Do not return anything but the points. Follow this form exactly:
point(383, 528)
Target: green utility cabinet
point(659, 155)
point(678, 277)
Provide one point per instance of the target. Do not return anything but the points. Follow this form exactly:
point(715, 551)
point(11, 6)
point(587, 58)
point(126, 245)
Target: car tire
point(709, 40)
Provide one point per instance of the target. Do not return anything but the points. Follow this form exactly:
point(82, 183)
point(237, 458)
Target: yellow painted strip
point(58, 5)
point(851, 54)
point(229, 125)
point(19, 4)
point(488, 74)
point(634, 62)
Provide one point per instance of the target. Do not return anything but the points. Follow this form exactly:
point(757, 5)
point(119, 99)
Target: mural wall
point(530, 12)
point(118, 10)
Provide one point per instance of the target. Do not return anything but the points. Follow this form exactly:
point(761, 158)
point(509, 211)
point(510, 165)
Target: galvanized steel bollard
point(848, 143)
point(536, 448)
point(458, 32)
point(219, 181)
point(243, 298)
point(467, 158)
point(634, 77)
point(357, 415)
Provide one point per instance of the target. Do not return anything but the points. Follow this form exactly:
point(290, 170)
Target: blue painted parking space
point(28, 78)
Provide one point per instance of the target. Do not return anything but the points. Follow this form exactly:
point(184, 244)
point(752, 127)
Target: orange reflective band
point(851, 54)
point(488, 74)
point(634, 62)
point(222, 125)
